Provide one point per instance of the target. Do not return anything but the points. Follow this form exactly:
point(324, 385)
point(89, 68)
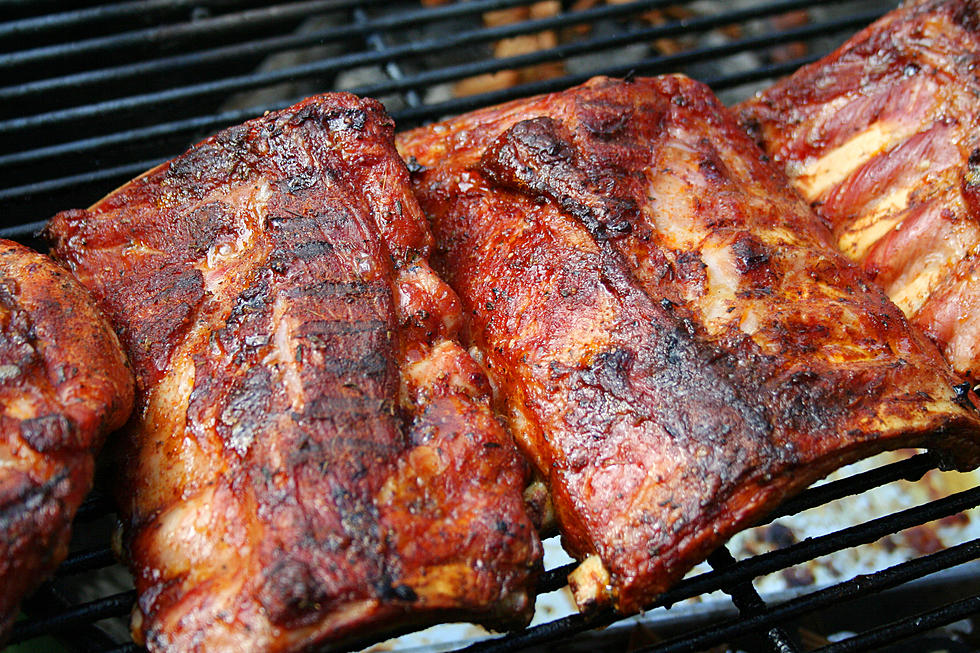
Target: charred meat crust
point(64, 384)
point(675, 341)
point(315, 461)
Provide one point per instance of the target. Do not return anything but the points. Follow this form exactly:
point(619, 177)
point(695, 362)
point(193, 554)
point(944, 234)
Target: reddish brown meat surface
point(314, 459)
point(883, 137)
point(64, 384)
point(676, 342)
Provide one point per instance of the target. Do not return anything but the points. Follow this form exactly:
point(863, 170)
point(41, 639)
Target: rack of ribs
point(675, 342)
point(64, 384)
point(883, 138)
point(314, 460)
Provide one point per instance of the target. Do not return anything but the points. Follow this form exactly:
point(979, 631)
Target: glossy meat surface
point(675, 341)
point(64, 384)
point(883, 138)
point(315, 460)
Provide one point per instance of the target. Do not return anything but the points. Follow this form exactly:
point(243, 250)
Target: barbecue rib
point(676, 343)
point(315, 459)
point(64, 384)
point(883, 137)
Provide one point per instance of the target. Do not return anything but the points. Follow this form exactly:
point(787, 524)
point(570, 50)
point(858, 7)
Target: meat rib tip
point(675, 341)
point(64, 384)
point(314, 460)
point(882, 136)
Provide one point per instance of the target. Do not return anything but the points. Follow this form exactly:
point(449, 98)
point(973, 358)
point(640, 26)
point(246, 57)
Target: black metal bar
point(376, 41)
point(116, 605)
point(746, 570)
point(856, 588)
point(78, 18)
point(124, 171)
point(645, 66)
point(911, 469)
point(86, 561)
point(898, 630)
point(749, 603)
point(170, 64)
point(176, 33)
point(47, 602)
point(257, 80)
point(95, 504)
point(27, 230)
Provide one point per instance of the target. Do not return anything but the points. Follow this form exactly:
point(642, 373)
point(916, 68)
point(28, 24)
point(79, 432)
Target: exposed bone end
point(590, 585)
point(537, 498)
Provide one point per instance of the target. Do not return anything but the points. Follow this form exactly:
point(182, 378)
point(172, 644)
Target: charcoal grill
point(92, 94)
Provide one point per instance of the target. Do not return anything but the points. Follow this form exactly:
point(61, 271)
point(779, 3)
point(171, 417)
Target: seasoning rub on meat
point(314, 460)
point(676, 343)
point(64, 384)
point(883, 138)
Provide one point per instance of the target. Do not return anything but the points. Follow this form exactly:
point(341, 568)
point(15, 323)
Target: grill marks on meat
point(676, 343)
point(882, 137)
point(315, 460)
point(64, 384)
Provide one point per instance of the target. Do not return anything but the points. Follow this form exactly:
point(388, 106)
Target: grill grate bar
point(378, 44)
point(225, 54)
point(126, 171)
point(897, 630)
point(116, 605)
point(86, 561)
point(237, 83)
point(85, 636)
point(79, 18)
point(749, 603)
point(649, 65)
point(176, 34)
point(855, 588)
point(746, 570)
point(26, 231)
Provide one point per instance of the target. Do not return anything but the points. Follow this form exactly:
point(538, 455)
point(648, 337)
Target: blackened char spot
point(344, 119)
point(290, 594)
point(971, 184)
point(244, 414)
point(49, 433)
point(537, 157)
point(750, 254)
point(611, 371)
point(174, 297)
point(967, 14)
point(388, 590)
point(312, 250)
point(413, 165)
point(330, 288)
point(604, 119)
point(961, 393)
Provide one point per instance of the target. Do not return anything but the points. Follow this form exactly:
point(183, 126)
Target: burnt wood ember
point(314, 459)
point(676, 343)
point(64, 384)
point(883, 138)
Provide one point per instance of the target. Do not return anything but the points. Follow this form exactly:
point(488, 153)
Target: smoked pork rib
point(676, 343)
point(315, 459)
point(883, 138)
point(64, 384)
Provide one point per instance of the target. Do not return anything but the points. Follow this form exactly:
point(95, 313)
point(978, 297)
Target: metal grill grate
point(93, 94)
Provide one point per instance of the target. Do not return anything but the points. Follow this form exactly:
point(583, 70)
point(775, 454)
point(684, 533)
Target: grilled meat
point(64, 384)
point(676, 342)
point(883, 138)
point(315, 460)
